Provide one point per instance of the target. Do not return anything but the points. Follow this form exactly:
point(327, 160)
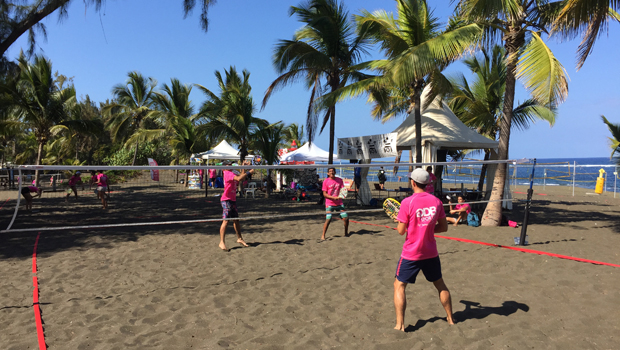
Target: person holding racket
point(333, 195)
point(229, 202)
point(420, 216)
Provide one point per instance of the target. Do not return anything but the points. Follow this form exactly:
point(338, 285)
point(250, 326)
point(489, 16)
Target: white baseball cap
point(420, 176)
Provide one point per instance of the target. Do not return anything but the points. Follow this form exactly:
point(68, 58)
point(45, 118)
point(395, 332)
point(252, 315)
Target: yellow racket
point(391, 207)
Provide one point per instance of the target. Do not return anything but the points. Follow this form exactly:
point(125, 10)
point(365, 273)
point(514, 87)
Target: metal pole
point(605, 184)
point(615, 181)
point(545, 179)
point(574, 170)
point(528, 204)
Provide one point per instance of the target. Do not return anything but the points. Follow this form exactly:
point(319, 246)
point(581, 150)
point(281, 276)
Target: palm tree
point(416, 52)
point(231, 113)
point(615, 139)
point(323, 53)
point(294, 132)
point(130, 117)
point(268, 142)
point(518, 25)
point(479, 104)
point(587, 17)
point(37, 100)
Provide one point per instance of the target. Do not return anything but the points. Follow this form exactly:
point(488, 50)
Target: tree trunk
point(493, 213)
point(332, 133)
point(39, 156)
point(483, 170)
point(135, 155)
point(418, 126)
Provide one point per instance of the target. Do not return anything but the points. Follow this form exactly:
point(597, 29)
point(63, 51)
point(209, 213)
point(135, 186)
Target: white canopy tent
point(443, 130)
point(222, 151)
point(307, 152)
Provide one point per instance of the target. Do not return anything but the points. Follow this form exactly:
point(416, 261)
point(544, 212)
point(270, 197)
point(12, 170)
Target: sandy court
point(171, 287)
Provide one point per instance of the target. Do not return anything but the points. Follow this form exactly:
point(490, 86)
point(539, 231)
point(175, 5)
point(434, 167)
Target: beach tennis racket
point(343, 193)
point(391, 207)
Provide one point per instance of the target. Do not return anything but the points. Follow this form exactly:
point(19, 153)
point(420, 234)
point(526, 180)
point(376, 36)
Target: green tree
point(323, 53)
point(18, 17)
point(294, 132)
point(130, 117)
point(38, 102)
point(479, 104)
point(614, 140)
point(589, 18)
point(518, 26)
point(231, 113)
point(268, 142)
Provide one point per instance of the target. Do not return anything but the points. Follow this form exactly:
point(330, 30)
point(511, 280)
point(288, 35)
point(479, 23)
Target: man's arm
point(442, 225)
point(328, 196)
point(402, 228)
point(243, 175)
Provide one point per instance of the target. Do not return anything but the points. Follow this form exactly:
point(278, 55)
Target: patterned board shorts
point(330, 209)
point(229, 210)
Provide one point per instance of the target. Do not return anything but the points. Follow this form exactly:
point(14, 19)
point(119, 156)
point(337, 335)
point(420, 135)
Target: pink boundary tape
point(3, 204)
point(35, 298)
point(523, 250)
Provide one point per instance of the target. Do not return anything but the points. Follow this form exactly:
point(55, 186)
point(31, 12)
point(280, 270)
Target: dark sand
point(171, 287)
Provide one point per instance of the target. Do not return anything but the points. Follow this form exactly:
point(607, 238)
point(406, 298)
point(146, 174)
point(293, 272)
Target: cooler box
point(600, 183)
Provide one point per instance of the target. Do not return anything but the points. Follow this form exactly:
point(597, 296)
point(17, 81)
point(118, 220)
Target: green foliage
point(156, 150)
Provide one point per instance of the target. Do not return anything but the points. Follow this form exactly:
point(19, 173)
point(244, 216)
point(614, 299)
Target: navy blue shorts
point(407, 270)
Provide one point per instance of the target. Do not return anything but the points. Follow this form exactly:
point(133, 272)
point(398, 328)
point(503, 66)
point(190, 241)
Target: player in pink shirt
point(26, 193)
point(430, 188)
point(229, 203)
point(421, 216)
point(461, 209)
point(73, 181)
point(331, 190)
point(212, 176)
point(102, 187)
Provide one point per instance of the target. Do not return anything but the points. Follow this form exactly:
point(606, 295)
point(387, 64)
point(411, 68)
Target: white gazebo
point(222, 151)
point(307, 153)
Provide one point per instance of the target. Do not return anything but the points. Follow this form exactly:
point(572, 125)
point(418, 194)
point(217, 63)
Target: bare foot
point(323, 238)
point(455, 225)
point(400, 328)
point(223, 246)
point(242, 242)
point(346, 234)
point(450, 320)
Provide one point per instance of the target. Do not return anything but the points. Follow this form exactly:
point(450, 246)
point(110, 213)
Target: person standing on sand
point(73, 181)
point(212, 176)
point(421, 216)
point(229, 202)
point(430, 188)
point(331, 189)
point(102, 187)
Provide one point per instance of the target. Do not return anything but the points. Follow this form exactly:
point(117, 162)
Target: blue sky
point(99, 49)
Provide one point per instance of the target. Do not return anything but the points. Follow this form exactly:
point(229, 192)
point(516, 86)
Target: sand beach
point(171, 287)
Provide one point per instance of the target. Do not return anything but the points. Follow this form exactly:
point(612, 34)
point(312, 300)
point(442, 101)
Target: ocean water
point(583, 172)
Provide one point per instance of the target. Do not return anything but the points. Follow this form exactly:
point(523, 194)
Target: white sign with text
point(368, 147)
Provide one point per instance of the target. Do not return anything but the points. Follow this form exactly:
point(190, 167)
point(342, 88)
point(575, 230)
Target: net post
point(19, 196)
point(528, 204)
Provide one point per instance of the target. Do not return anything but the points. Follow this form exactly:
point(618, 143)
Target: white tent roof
point(441, 128)
point(307, 153)
point(222, 151)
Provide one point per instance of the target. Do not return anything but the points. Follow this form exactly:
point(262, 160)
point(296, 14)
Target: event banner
point(368, 147)
point(154, 173)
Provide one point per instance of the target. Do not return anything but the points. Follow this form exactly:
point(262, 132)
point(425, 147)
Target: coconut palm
point(231, 113)
point(36, 99)
point(294, 132)
point(268, 141)
point(518, 26)
point(614, 140)
point(416, 51)
point(589, 18)
point(130, 117)
point(479, 104)
point(323, 53)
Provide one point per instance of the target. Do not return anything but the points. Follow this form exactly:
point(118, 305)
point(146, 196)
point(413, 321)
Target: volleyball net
point(167, 195)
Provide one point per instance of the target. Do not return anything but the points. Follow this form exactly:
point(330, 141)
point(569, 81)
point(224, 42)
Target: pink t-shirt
point(74, 180)
point(33, 188)
point(461, 206)
point(420, 212)
point(212, 173)
point(102, 180)
point(230, 186)
point(430, 188)
point(332, 187)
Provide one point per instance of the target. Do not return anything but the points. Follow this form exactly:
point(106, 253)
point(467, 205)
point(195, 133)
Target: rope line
point(35, 298)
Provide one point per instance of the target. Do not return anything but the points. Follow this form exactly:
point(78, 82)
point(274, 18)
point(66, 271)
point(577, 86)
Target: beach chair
point(250, 189)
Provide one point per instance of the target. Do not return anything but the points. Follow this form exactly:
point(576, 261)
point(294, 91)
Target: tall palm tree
point(130, 117)
point(518, 26)
point(479, 104)
point(37, 100)
point(323, 53)
point(268, 142)
point(231, 113)
point(614, 140)
point(589, 18)
point(416, 51)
